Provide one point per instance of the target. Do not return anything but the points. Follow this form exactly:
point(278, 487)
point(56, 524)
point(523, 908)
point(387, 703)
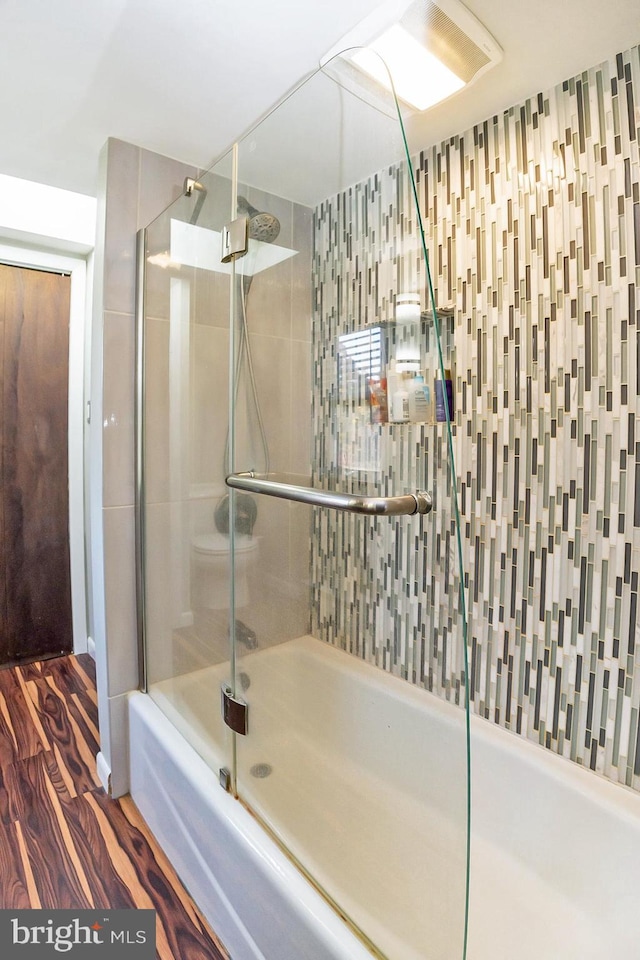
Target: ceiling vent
point(432, 51)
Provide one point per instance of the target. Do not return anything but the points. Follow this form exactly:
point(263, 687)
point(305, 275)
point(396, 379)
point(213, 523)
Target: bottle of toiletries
point(419, 408)
point(430, 417)
point(378, 401)
point(448, 382)
point(441, 414)
point(393, 381)
point(400, 402)
point(397, 397)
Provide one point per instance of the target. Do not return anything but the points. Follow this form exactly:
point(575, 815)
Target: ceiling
point(186, 77)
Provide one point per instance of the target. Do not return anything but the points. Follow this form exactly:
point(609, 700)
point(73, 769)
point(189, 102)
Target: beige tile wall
point(135, 186)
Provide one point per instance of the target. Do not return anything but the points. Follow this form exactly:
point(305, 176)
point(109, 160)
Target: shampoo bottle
point(431, 413)
point(393, 382)
point(378, 400)
point(419, 407)
point(400, 402)
point(441, 414)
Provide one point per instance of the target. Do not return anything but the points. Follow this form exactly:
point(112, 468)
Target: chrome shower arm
point(405, 505)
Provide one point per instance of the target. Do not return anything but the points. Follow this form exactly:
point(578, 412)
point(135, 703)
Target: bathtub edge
point(242, 918)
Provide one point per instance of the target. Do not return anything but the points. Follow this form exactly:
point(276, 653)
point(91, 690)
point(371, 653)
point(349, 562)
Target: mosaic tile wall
point(533, 227)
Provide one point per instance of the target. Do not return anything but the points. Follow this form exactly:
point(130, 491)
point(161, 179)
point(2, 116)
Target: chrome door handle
point(406, 505)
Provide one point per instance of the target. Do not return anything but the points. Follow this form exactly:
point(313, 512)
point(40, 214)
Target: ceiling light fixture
point(431, 49)
point(419, 78)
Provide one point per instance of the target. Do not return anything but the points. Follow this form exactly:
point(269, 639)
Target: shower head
point(262, 226)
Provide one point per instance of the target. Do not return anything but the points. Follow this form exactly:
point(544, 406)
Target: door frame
point(76, 267)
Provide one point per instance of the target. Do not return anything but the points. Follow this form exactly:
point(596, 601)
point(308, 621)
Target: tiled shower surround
point(532, 224)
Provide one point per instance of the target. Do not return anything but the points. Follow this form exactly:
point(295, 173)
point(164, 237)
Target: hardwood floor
point(63, 842)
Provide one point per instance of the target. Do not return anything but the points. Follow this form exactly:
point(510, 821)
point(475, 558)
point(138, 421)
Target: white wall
point(33, 213)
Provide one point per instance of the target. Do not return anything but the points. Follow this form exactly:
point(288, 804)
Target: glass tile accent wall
point(533, 229)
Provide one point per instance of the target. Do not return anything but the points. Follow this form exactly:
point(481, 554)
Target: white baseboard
point(104, 773)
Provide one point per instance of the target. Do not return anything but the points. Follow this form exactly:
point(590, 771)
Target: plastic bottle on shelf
point(393, 381)
point(440, 387)
point(378, 401)
point(431, 415)
point(400, 402)
point(420, 408)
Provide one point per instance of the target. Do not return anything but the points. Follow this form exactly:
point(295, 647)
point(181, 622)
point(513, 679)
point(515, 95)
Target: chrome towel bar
point(405, 505)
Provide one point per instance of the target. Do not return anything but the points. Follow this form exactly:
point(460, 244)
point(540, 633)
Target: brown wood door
point(35, 580)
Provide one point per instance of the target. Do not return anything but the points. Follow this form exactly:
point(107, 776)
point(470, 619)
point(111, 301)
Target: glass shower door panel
point(348, 651)
point(185, 415)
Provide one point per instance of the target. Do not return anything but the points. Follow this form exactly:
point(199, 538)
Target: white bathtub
point(555, 850)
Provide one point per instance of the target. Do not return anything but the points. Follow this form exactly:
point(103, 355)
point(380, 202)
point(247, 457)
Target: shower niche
point(388, 377)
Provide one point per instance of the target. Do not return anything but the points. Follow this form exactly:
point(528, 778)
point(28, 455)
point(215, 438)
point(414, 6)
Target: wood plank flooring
point(63, 842)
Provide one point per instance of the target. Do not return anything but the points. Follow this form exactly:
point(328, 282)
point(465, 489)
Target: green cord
point(463, 604)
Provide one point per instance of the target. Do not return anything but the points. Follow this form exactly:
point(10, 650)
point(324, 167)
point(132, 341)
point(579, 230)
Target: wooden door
point(35, 580)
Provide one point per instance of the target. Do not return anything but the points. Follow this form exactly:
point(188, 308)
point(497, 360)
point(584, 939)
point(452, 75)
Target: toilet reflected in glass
point(211, 567)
